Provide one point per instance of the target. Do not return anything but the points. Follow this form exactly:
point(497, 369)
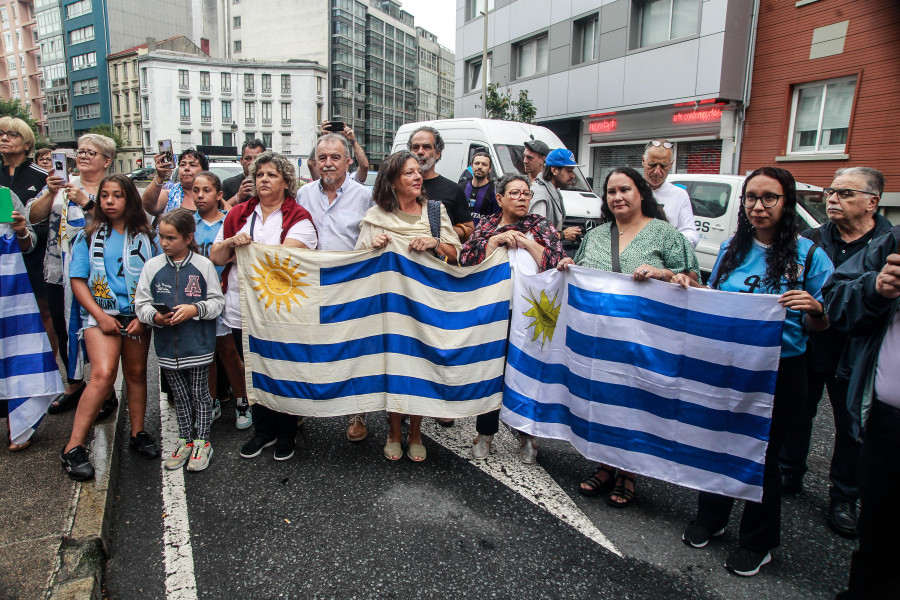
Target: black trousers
point(874, 567)
point(845, 458)
point(268, 423)
point(761, 522)
point(488, 423)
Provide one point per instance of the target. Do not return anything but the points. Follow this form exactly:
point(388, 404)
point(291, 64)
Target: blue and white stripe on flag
point(671, 383)
point(336, 333)
point(29, 376)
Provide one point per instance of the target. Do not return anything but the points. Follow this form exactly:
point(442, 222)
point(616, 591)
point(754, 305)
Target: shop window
point(658, 21)
point(820, 116)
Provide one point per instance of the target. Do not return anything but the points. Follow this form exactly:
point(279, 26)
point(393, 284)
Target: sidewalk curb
point(85, 546)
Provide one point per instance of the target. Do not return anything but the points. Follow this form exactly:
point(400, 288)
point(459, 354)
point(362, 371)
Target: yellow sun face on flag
point(544, 314)
point(278, 282)
point(100, 289)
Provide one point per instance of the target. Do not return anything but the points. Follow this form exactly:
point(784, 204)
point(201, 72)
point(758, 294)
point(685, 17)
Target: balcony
point(286, 91)
point(285, 121)
point(249, 120)
point(185, 118)
point(206, 119)
point(266, 121)
point(226, 119)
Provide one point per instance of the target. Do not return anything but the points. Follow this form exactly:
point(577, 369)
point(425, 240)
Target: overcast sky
point(437, 16)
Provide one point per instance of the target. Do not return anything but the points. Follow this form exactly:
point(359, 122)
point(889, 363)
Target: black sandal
point(621, 491)
point(595, 486)
point(65, 402)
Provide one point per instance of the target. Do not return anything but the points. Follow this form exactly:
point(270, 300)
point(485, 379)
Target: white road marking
point(179, 556)
point(529, 481)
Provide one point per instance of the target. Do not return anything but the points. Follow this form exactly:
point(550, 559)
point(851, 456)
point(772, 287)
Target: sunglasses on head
point(666, 145)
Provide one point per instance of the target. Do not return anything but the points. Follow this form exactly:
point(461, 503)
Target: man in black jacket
point(852, 201)
point(862, 300)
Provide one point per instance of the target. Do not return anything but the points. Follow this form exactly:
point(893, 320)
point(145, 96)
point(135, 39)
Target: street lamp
point(484, 63)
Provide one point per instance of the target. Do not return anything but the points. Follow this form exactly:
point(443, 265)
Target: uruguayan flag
point(336, 333)
point(29, 377)
point(671, 383)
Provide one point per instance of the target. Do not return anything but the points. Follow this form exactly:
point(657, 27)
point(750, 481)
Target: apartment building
point(20, 75)
point(435, 78)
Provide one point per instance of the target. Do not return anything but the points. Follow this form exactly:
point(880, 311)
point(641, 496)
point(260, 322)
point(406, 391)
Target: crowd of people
point(105, 276)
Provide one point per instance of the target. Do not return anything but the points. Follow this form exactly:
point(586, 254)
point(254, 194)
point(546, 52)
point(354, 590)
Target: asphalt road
point(340, 521)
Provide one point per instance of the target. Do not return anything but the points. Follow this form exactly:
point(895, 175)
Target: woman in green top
point(634, 238)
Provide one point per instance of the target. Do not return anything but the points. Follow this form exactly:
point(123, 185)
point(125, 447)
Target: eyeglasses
point(666, 145)
point(845, 193)
point(768, 200)
point(514, 194)
point(88, 153)
point(13, 135)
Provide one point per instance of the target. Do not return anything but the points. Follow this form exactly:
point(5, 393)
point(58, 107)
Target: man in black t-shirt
point(426, 143)
point(239, 188)
point(480, 190)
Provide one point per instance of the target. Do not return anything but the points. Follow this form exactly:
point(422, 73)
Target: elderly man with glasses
point(852, 201)
point(659, 155)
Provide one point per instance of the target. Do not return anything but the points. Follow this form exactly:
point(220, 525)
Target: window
point(266, 83)
point(267, 139)
point(4, 17)
point(11, 63)
point(248, 83)
point(88, 111)
point(206, 138)
point(57, 102)
point(250, 112)
point(55, 75)
point(286, 141)
point(124, 71)
point(83, 34)
point(226, 82)
point(134, 68)
point(226, 111)
point(118, 104)
point(76, 9)
point(237, 45)
point(84, 61)
point(237, 23)
point(473, 73)
point(285, 113)
point(663, 20)
point(227, 138)
point(585, 45)
point(185, 109)
point(474, 8)
point(146, 105)
point(820, 115)
point(85, 86)
point(127, 103)
point(144, 77)
point(204, 81)
point(206, 111)
point(186, 139)
point(532, 57)
point(249, 136)
point(146, 138)
point(184, 81)
point(286, 84)
point(267, 113)
point(52, 49)
point(47, 21)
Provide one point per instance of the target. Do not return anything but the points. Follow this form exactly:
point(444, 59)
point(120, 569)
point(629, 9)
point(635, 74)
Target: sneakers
point(109, 407)
point(200, 457)
point(698, 536)
point(144, 445)
point(746, 563)
point(482, 447)
point(76, 463)
point(244, 418)
point(255, 446)
point(356, 430)
point(284, 449)
point(180, 456)
point(217, 410)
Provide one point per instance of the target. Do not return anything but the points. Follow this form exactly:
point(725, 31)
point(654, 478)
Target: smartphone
point(162, 309)
point(59, 165)
point(335, 127)
point(6, 206)
point(165, 147)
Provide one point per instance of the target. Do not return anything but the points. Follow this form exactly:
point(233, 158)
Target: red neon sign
point(697, 116)
point(606, 126)
point(606, 114)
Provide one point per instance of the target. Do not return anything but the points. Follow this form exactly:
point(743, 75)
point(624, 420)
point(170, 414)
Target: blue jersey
point(748, 278)
point(114, 281)
point(206, 234)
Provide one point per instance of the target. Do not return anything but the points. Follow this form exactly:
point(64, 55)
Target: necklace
point(622, 231)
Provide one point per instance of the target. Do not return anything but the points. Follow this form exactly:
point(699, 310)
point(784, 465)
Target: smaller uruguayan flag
point(336, 333)
point(648, 377)
point(29, 377)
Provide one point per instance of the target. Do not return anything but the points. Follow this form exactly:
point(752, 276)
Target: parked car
point(142, 174)
point(715, 201)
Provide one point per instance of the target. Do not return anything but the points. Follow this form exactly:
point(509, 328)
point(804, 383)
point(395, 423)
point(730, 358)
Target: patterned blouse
point(475, 249)
point(658, 244)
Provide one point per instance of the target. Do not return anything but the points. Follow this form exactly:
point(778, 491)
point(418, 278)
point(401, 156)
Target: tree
point(109, 131)
point(500, 105)
point(18, 109)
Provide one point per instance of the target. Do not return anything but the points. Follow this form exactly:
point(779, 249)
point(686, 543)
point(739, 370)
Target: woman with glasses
point(512, 227)
point(44, 159)
point(636, 239)
point(159, 199)
point(94, 156)
point(766, 256)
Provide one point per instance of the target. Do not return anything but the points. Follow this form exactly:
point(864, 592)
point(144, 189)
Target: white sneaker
point(244, 418)
point(180, 456)
point(200, 456)
point(217, 410)
point(482, 447)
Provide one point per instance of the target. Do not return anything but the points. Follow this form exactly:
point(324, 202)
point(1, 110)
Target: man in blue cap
point(559, 173)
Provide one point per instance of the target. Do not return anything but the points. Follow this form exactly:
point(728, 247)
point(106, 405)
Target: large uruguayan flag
point(671, 383)
point(29, 377)
point(335, 333)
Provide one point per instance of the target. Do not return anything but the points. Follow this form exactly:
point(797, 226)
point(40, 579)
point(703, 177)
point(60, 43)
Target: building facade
point(57, 104)
point(608, 75)
point(20, 74)
point(196, 101)
point(826, 78)
point(435, 79)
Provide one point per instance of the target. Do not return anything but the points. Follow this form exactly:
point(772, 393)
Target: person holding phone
point(157, 199)
point(359, 155)
point(239, 188)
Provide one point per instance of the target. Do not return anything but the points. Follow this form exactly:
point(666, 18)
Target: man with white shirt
point(337, 204)
point(657, 161)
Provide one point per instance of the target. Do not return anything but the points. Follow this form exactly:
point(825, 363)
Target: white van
point(505, 141)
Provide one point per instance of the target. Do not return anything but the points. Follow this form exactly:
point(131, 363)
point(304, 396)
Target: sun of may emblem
point(278, 282)
point(100, 289)
point(544, 314)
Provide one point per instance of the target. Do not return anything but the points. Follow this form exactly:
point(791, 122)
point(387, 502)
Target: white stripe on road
point(179, 556)
point(529, 481)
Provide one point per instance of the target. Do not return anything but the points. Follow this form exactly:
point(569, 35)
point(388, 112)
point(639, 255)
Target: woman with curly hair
point(766, 256)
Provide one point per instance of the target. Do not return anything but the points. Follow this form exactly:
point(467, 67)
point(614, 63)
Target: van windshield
point(814, 203)
point(510, 158)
